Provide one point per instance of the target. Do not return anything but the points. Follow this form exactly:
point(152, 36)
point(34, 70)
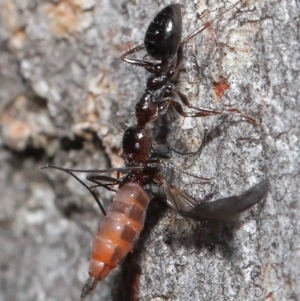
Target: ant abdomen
point(117, 232)
point(163, 35)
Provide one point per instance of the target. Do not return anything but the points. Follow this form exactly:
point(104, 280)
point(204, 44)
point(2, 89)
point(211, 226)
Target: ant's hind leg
point(185, 40)
point(136, 62)
point(124, 56)
point(194, 33)
point(203, 112)
point(192, 154)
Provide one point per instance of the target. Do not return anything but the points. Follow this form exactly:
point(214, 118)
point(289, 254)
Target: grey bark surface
point(66, 98)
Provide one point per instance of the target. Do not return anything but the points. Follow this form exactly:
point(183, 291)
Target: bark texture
point(65, 99)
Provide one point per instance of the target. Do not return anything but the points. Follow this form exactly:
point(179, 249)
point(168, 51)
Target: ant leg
point(98, 180)
point(184, 41)
point(131, 51)
point(191, 154)
point(197, 31)
point(136, 62)
point(208, 24)
point(149, 66)
point(171, 168)
point(93, 193)
point(203, 112)
point(162, 152)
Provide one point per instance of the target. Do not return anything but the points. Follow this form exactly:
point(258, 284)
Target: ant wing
point(226, 209)
point(177, 199)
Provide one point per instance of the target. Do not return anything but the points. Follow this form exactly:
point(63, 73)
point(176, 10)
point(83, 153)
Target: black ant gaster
point(146, 173)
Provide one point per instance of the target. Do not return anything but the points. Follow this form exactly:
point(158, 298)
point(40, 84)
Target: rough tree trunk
point(66, 98)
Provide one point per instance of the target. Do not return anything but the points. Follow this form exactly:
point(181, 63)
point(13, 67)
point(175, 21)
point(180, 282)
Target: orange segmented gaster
point(117, 232)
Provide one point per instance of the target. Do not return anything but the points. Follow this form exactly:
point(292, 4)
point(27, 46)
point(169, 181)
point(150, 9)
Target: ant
point(146, 174)
point(164, 56)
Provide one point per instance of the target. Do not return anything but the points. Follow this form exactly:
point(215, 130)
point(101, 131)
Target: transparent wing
point(226, 209)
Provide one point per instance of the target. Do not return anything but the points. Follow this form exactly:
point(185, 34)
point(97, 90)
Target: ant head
point(136, 145)
point(163, 35)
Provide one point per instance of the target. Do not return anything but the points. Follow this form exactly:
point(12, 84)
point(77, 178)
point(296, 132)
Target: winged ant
point(146, 174)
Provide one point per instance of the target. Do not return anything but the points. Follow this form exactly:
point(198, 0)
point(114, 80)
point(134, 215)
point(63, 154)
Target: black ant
point(146, 174)
point(164, 48)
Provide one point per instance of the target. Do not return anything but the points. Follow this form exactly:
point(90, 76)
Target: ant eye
point(137, 146)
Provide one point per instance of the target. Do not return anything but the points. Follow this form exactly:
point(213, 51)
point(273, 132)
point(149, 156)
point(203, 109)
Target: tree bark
point(66, 99)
